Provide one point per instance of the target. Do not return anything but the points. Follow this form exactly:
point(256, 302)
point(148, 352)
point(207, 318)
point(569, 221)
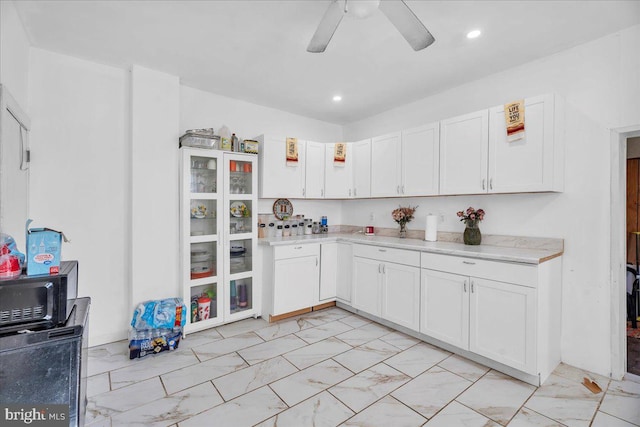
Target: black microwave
point(28, 302)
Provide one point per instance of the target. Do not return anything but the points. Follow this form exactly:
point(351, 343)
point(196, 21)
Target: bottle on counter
point(279, 230)
point(287, 231)
point(233, 295)
point(272, 230)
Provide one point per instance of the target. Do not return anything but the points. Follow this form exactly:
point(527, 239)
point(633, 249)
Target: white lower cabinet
point(366, 285)
point(401, 294)
point(445, 307)
point(385, 288)
point(295, 278)
point(502, 320)
point(490, 318)
point(335, 272)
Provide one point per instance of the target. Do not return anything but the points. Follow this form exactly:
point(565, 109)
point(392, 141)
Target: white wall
point(199, 109)
point(80, 177)
point(600, 92)
point(155, 247)
point(14, 54)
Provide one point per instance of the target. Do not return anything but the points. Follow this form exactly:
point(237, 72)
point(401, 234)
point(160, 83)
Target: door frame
point(618, 249)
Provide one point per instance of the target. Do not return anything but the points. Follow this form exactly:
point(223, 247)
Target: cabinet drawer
point(381, 253)
point(521, 274)
point(295, 251)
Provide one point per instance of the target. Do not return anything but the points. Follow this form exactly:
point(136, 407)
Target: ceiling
point(256, 50)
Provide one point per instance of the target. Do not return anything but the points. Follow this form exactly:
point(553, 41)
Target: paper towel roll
point(431, 228)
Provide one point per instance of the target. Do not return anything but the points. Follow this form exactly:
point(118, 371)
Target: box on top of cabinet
point(43, 250)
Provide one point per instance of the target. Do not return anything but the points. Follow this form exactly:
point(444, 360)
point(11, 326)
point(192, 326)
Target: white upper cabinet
point(277, 177)
point(338, 177)
point(361, 151)
point(464, 147)
point(386, 157)
point(314, 187)
point(534, 162)
point(420, 160)
point(475, 156)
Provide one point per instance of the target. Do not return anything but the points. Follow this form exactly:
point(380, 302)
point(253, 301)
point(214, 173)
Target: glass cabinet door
point(200, 203)
point(241, 233)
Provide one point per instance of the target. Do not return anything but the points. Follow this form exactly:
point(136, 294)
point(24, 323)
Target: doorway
point(618, 248)
point(633, 257)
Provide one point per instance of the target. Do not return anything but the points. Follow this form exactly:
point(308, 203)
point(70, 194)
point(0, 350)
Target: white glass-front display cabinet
point(218, 236)
point(241, 203)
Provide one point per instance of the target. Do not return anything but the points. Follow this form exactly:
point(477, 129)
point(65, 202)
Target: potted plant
point(402, 216)
point(471, 217)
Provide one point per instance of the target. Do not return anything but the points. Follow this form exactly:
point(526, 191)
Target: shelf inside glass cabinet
point(202, 217)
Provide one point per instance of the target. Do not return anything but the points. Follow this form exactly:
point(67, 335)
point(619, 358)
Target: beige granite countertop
point(506, 249)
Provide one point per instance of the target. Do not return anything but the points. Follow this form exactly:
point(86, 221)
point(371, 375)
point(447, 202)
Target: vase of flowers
point(471, 219)
point(402, 216)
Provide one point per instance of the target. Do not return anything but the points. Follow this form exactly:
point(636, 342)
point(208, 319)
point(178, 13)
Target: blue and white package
point(160, 314)
point(43, 250)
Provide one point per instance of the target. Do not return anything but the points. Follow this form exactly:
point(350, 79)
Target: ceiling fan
point(396, 11)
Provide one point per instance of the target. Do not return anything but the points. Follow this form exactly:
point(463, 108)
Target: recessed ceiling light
point(337, 98)
point(473, 34)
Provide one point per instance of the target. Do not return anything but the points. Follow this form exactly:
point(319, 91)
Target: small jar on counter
point(279, 230)
point(287, 231)
point(300, 228)
point(271, 232)
point(316, 227)
point(308, 229)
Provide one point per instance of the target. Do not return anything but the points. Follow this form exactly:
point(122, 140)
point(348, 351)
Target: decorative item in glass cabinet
point(402, 216)
point(471, 218)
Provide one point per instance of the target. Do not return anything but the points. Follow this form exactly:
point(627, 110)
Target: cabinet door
point(502, 323)
point(277, 177)
point(464, 143)
point(366, 285)
point(314, 182)
point(361, 168)
point(445, 307)
point(420, 160)
point(344, 272)
point(328, 271)
point(385, 165)
point(296, 282)
point(401, 295)
point(525, 164)
point(338, 177)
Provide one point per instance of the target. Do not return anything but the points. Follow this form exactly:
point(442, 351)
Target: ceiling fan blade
point(407, 23)
point(326, 28)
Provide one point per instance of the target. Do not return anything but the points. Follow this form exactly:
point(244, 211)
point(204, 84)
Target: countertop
point(488, 252)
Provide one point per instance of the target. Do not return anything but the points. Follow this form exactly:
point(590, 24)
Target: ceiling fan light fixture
point(474, 34)
point(362, 9)
point(337, 98)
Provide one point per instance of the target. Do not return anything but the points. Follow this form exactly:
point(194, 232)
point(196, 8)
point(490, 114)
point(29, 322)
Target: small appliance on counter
point(45, 301)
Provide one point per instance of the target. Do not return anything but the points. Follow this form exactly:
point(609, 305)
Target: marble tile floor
point(333, 368)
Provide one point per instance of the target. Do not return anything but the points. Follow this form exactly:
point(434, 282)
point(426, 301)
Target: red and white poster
point(292, 152)
point(339, 153)
point(514, 117)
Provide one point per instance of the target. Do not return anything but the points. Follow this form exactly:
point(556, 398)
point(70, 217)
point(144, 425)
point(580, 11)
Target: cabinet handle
point(465, 286)
point(322, 193)
point(297, 247)
point(379, 268)
point(304, 191)
point(472, 286)
point(382, 250)
point(349, 192)
point(483, 181)
point(398, 189)
point(490, 183)
point(384, 269)
point(355, 192)
point(316, 261)
point(403, 189)
point(469, 262)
